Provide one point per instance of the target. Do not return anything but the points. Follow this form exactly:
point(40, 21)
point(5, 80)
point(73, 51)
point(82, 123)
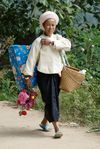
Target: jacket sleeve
point(32, 59)
point(61, 43)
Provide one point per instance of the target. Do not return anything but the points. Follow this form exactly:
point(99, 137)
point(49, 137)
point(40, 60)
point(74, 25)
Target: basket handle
point(64, 58)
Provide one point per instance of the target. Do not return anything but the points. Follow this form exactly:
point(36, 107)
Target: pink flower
point(22, 97)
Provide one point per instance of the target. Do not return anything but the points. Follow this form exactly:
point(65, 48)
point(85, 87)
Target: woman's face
point(49, 26)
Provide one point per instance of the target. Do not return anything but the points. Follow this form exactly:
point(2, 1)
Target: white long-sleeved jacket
point(48, 58)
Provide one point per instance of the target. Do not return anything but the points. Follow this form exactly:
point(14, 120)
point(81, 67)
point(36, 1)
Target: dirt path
point(24, 133)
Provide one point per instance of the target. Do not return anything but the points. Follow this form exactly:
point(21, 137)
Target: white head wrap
point(48, 15)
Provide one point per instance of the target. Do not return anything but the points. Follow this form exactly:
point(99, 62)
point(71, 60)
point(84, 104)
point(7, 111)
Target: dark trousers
point(49, 88)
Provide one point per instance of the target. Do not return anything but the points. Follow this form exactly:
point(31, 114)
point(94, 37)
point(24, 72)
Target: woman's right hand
point(27, 82)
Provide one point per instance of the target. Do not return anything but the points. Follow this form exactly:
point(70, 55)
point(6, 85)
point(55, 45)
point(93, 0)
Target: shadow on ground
point(21, 132)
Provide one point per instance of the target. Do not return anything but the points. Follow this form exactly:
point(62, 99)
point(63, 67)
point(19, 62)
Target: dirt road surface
point(23, 132)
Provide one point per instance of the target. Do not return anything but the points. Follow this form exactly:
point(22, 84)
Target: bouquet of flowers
point(26, 101)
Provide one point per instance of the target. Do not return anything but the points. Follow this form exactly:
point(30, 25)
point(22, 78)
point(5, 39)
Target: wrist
point(27, 77)
point(51, 43)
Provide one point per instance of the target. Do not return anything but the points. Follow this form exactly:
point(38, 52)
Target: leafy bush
point(8, 88)
point(85, 50)
point(82, 105)
point(19, 18)
point(5, 44)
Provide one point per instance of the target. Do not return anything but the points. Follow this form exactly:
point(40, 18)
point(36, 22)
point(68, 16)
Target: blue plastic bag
point(18, 55)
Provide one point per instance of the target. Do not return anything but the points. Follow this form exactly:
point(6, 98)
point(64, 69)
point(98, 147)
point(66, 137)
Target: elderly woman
point(45, 52)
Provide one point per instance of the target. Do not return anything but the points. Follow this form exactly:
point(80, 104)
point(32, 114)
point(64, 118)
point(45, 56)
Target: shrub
point(82, 105)
point(8, 88)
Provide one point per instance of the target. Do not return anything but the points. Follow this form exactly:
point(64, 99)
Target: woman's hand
point(27, 82)
point(46, 42)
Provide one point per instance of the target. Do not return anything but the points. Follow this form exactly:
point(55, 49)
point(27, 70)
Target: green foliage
point(82, 105)
point(85, 51)
point(5, 44)
point(19, 18)
point(8, 89)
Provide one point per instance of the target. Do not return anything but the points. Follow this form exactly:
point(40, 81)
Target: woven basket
point(70, 78)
